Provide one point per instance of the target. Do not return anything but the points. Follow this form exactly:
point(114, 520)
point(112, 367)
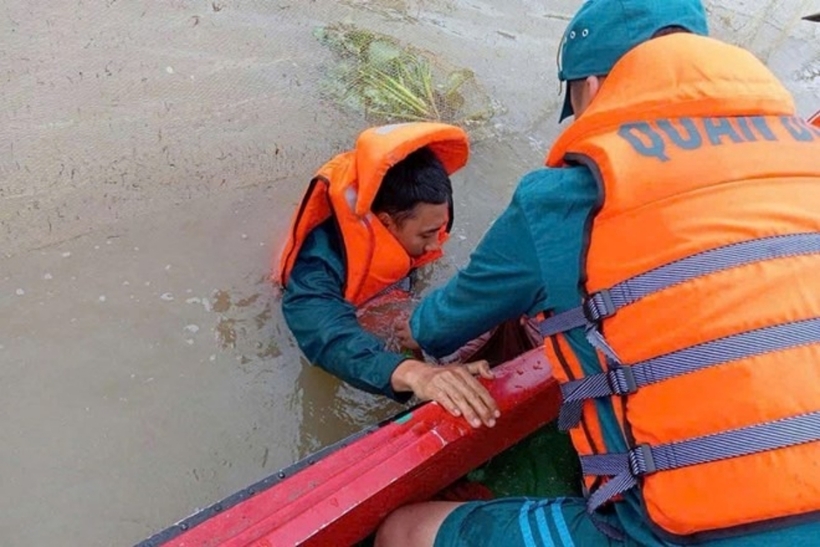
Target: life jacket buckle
point(599, 306)
point(622, 381)
point(641, 461)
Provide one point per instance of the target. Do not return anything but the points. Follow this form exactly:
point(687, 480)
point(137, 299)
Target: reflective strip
point(543, 529)
point(561, 523)
point(645, 460)
point(524, 523)
point(626, 380)
point(606, 303)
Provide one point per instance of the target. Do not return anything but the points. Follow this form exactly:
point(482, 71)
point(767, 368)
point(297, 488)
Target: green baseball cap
point(603, 31)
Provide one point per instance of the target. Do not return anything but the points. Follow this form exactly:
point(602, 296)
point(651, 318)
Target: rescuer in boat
point(370, 217)
point(672, 244)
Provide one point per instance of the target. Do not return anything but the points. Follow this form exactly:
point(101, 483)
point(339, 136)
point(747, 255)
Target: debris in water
point(222, 301)
point(390, 82)
point(226, 333)
point(167, 296)
point(192, 328)
point(20, 292)
point(102, 298)
point(48, 276)
point(66, 254)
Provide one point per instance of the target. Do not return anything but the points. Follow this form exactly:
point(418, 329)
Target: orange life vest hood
point(345, 187)
point(701, 293)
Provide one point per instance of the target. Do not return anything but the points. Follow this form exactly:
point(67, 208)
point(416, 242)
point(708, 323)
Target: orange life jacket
point(345, 187)
point(815, 120)
point(701, 292)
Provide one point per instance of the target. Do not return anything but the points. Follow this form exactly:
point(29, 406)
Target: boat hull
point(340, 495)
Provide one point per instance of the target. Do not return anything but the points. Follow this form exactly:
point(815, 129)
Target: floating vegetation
point(391, 83)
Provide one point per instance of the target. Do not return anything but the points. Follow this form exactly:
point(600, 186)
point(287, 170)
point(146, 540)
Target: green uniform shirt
point(527, 262)
point(325, 324)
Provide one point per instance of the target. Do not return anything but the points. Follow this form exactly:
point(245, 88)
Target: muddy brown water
point(150, 158)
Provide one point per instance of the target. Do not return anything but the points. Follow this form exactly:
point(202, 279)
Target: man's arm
point(502, 281)
point(328, 332)
point(326, 327)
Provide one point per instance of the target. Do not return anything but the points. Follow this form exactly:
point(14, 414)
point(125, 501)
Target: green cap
point(603, 31)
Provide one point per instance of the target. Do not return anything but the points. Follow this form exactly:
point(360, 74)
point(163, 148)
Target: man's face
point(418, 232)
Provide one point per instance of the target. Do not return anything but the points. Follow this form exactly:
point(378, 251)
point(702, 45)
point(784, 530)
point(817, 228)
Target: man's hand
point(405, 336)
point(453, 386)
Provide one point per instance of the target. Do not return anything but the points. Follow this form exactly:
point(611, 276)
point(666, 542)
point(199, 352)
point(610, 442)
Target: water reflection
point(252, 329)
point(332, 410)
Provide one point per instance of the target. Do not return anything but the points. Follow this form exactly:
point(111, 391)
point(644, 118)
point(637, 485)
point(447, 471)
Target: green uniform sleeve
point(502, 281)
point(325, 324)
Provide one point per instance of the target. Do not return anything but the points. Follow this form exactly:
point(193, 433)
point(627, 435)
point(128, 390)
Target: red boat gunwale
point(339, 495)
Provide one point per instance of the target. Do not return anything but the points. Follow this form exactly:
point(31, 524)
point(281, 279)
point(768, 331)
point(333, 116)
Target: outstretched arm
point(327, 329)
point(502, 281)
point(328, 332)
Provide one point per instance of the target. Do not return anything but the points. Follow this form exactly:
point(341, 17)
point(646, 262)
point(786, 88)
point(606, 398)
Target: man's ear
point(593, 85)
point(385, 219)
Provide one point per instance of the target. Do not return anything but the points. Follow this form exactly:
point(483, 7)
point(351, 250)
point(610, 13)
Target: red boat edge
point(339, 495)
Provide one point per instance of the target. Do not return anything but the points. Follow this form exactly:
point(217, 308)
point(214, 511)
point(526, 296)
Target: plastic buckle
point(622, 381)
point(641, 461)
point(599, 306)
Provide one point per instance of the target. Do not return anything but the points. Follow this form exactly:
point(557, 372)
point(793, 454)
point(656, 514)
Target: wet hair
point(673, 29)
point(418, 178)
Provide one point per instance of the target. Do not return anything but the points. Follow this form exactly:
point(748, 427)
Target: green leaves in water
point(391, 83)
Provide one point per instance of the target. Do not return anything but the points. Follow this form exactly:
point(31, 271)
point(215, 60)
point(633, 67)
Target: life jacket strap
point(606, 303)
point(643, 460)
point(594, 309)
point(624, 380)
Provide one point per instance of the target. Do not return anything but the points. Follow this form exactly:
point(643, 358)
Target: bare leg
point(414, 525)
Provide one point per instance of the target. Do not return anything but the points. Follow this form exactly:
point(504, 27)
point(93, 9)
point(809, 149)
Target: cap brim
point(566, 111)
